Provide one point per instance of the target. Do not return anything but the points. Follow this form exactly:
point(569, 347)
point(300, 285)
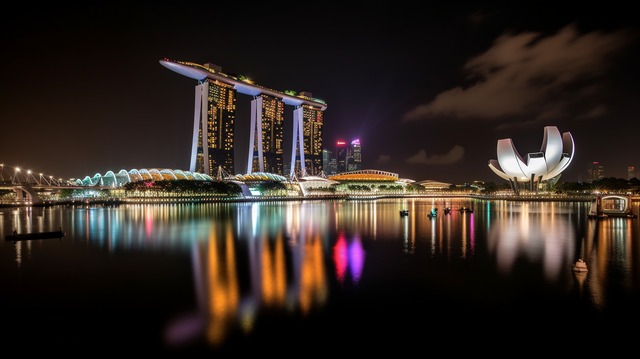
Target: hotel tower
point(214, 119)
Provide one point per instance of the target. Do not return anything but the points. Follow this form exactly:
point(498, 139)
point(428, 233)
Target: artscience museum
point(537, 168)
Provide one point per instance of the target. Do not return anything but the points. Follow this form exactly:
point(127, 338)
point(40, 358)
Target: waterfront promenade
point(343, 196)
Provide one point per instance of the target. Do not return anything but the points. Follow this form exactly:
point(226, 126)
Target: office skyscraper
point(595, 171)
point(348, 157)
point(342, 152)
point(354, 156)
point(328, 162)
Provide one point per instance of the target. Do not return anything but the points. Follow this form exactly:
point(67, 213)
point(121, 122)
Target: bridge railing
point(18, 176)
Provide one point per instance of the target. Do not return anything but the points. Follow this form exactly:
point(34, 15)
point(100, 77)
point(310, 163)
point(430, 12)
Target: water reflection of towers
point(285, 265)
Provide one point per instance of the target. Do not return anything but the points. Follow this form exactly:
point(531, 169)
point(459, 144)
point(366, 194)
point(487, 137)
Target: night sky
point(428, 88)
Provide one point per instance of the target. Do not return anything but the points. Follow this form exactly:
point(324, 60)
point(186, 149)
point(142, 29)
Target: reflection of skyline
point(252, 258)
point(223, 306)
point(449, 235)
point(348, 257)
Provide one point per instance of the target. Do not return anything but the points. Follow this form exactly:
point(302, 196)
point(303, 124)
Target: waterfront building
point(214, 123)
point(122, 177)
point(366, 175)
point(544, 166)
point(433, 186)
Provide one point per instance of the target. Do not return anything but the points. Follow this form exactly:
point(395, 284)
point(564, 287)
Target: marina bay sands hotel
point(213, 124)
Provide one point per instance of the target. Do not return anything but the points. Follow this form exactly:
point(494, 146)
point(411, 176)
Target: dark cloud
point(529, 73)
point(453, 156)
point(383, 159)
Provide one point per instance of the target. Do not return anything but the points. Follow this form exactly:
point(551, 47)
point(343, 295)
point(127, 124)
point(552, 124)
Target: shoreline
point(346, 197)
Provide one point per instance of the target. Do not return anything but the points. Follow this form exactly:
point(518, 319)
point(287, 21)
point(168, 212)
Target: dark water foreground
point(306, 278)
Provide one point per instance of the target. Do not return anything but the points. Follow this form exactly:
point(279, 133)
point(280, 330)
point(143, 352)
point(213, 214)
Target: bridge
point(26, 184)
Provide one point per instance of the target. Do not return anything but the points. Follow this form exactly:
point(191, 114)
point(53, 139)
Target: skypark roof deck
point(243, 86)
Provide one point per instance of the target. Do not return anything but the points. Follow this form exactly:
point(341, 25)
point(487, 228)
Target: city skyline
point(428, 91)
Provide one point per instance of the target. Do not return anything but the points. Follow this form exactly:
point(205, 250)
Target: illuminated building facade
point(313, 119)
point(354, 156)
point(554, 157)
point(214, 123)
point(328, 162)
point(266, 129)
point(348, 157)
point(122, 177)
point(214, 117)
point(341, 156)
point(366, 175)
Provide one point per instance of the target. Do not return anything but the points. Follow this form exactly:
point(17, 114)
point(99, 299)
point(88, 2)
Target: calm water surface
point(301, 278)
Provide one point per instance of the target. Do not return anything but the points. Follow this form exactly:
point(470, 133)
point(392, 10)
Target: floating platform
point(611, 206)
point(34, 235)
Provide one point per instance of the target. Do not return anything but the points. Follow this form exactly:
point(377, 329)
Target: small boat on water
point(404, 212)
point(580, 266)
point(595, 215)
point(34, 235)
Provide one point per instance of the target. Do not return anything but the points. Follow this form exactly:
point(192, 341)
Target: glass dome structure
point(122, 177)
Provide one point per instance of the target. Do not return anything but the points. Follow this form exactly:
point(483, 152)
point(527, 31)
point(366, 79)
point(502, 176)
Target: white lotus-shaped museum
point(554, 157)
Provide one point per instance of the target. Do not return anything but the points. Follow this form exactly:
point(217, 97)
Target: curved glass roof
point(122, 177)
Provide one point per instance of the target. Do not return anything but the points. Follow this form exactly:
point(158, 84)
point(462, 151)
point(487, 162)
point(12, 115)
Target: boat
point(580, 266)
point(433, 213)
point(447, 210)
point(15, 236)
point(596, 215)
point(466, 209)
point(594, 211)
point(404, 212)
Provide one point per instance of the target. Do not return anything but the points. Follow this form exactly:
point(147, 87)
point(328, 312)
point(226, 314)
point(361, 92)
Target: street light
point(17, 170)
